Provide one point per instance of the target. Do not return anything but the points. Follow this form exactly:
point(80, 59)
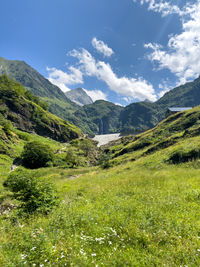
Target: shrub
point(184, 156)
point(105, 162)
point(71, 158)
point(36, 155)
point(35, 194)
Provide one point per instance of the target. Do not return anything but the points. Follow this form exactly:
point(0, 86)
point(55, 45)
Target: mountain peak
point(79, 96)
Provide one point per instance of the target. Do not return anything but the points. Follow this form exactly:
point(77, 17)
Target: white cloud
point(129, 87)
point(96, 94)
point(182, 54)
point(63, 79)
point(118, 104)
point(101, 47)
point(166, 7)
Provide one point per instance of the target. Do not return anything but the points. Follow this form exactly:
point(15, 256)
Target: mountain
point(143, 115)
point(27, 113)
point(101, 117)
point(187, 95)
point(39, 86)
point(139, 116)
point(79, 96)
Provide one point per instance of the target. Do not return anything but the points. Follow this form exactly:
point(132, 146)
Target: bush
point(182, 156)
point(36, 155)
point(35, 194)
point(105, 162)
point(71, 158)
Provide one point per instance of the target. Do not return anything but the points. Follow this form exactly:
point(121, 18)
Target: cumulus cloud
point(129, 87)
point(63, 79)
point(182, 54)
point(101, 47)
point(96, 94)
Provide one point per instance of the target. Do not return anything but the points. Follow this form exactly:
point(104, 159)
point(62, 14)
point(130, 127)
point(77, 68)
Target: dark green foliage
point(182, 156)
point(71, 159)
point(104, 161)
point(34, 194)
point(36, 155)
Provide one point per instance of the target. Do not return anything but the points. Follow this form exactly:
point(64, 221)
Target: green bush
point(36, 155)
point(35, 194)
point(71, 159)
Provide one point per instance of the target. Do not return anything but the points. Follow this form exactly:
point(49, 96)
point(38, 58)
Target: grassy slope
point(25, 111)
point(141, 213)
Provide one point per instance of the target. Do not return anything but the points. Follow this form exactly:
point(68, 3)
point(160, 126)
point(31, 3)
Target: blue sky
point(120, 50)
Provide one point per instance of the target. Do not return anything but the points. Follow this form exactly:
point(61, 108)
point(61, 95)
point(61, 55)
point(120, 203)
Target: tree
point(36, 155)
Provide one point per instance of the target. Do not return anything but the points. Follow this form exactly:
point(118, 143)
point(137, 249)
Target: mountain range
point(100, 117)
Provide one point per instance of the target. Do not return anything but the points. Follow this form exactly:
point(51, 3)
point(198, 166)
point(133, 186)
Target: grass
point(127, 216)
point(143, 211)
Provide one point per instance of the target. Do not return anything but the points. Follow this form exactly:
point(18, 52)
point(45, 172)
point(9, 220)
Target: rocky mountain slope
point(79, 96)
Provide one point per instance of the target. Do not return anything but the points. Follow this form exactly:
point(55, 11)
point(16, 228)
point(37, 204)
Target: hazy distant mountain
point(79, 96)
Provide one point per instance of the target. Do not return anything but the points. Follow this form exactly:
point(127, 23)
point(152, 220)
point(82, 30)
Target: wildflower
point(93, 254)
point(33, 248)
point(23, 256)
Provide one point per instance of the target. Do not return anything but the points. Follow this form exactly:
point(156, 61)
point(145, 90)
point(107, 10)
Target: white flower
point(23, 256)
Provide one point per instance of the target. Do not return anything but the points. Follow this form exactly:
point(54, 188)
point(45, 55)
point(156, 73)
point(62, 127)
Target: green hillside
point(38, 85)
point(174, 140)
point(101, 117)
point(27, 113)
point(143, 115)
point(141, 210)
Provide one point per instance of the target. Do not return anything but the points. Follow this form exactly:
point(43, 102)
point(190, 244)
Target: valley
point(75, 200)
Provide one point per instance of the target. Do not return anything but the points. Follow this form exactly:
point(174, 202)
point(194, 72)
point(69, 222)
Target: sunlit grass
point(127, 215)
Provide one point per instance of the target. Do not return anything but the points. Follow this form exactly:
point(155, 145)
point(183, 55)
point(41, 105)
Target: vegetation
point(26, 112)
point(33, 193)
point(141, 211)
point(37, 155)
point(140, 207)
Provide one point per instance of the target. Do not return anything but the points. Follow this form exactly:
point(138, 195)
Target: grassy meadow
point(141, 210)
point(129, 215)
